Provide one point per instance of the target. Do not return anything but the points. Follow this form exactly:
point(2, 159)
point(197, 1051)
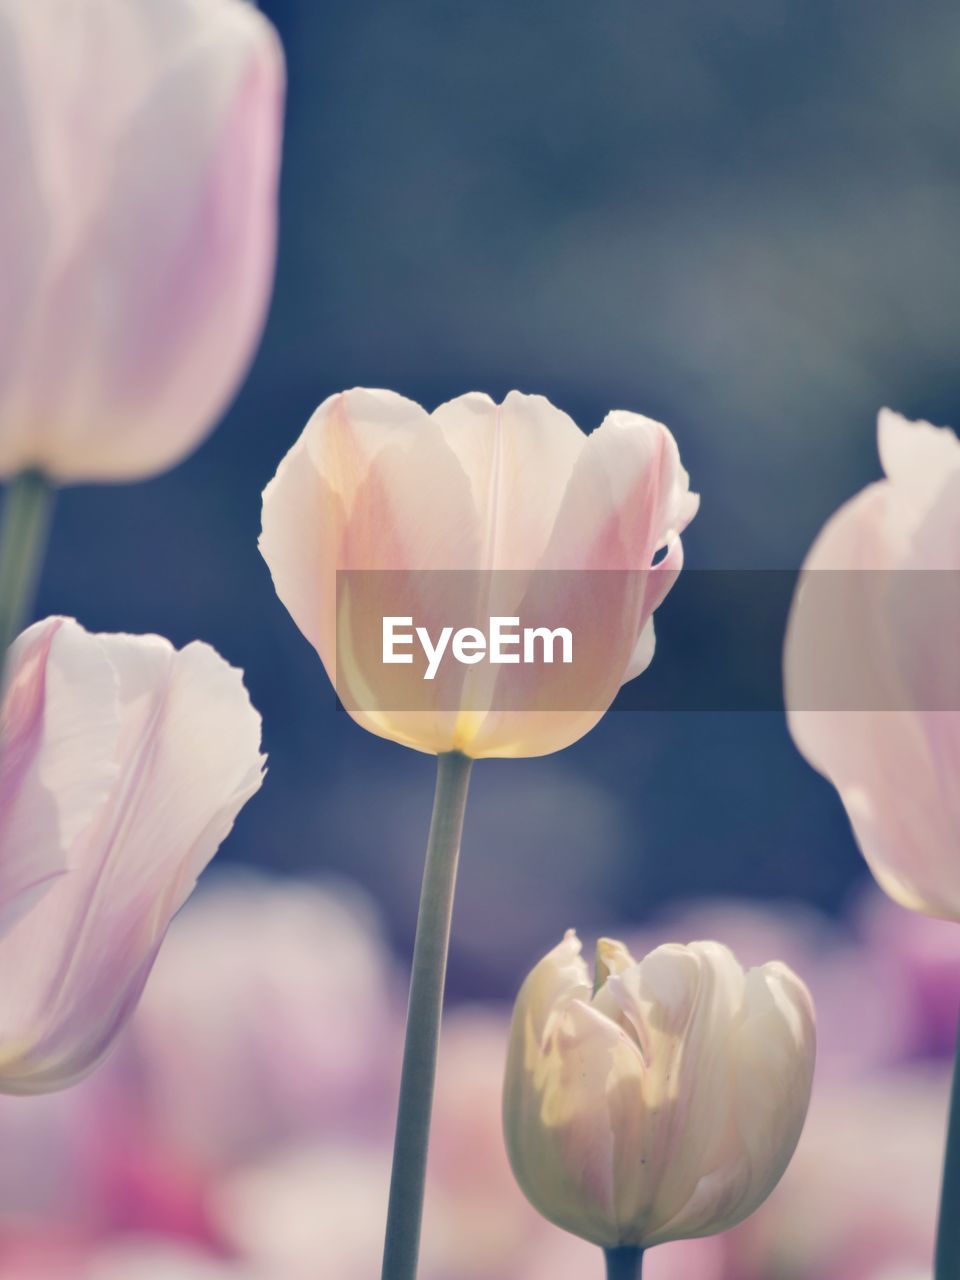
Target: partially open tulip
point(872, 664)
point(139, 150)
point(453, 518)
point(667, 1102)
point(126, 763)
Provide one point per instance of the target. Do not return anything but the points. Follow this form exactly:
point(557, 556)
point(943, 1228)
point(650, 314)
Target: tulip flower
point(518, 510)
point(891, 635)
point(882, 632)
point(125, 765)
point(663, 1102)
point(139, 150)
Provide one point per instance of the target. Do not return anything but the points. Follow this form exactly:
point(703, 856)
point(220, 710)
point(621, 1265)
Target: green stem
point(625, 1263)
point(23, 541)
point(402, 1243)
point(947, 1266)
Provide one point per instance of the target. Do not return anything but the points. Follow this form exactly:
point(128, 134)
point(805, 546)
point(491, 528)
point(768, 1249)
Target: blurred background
point(738, 217)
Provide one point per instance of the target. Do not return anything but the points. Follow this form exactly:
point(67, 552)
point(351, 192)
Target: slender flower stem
point(423, 1019)
point(947, 1266)
point(23, 541)
point(624, 1264)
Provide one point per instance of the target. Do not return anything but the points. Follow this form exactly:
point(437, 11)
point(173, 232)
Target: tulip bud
point(125, 764)
point(382, 510)
point(139, 157)
point(872, 665)
point(666, 1104)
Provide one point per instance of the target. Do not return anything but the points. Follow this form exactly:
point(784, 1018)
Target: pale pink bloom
point(285, 993)
point(872, 665)
point(866, 1174)
point(663, 1105)
point(178, 750)
point(529, 513)
point(139, 155)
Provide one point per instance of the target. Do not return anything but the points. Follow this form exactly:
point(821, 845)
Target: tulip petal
point(916, 456)
point(349, 499)
point(500, 448)
point(628, 499)
point(567, 1064)
point(57, 757)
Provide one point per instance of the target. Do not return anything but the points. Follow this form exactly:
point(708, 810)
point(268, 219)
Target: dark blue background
point(739, 217)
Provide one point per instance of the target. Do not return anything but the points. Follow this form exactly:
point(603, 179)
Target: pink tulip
point(139, 153)
point(172, 746)
point(872, 665)
point(534, 518)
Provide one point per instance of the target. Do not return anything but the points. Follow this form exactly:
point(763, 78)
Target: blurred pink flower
point(860, 1197)
point(139, 154)
point(311, 1214)
point(287, 999)
point(925, 955)
point(241, 1131)
point(172, 745)
point(878, 636)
